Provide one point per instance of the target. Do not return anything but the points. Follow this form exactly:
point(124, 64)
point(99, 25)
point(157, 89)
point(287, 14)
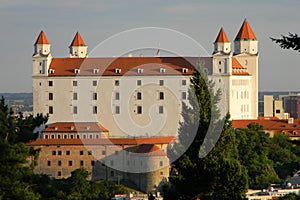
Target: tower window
point(94, 83)
point(68, 152)
point(70, 163)
point(183, 95)
point(117, 82)
point(161, 95)
point(160, 109)
point(50, 96)
point(161, 82)
point(94, 96)
point(139, 109)
point(139, 82)
point(95, 110)
point(75, 96)
point(81, 152)
point(59, 173)
point(220, 62)
point(50, 109)
point(139, 96)
point(59, 163)
point(220, 70)
point(49, 163)
point(183, 82)
point(117, 109)
point(50, 83)
point(75, 83)
point(81, 163)
point(117, 96)
point(75, 110)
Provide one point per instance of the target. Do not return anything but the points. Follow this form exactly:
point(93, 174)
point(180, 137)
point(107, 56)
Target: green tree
point(292, 41)
point(291, 196)
point(219, 175)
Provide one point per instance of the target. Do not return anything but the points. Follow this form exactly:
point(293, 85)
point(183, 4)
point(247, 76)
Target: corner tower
point(78, 49)
point(41, 57)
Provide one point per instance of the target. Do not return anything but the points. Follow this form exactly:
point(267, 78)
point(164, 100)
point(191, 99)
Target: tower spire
point(222, 44)
point(78, 48)
point(245, 32)
point(42, 39)
point(77, 41)
point(222, 37)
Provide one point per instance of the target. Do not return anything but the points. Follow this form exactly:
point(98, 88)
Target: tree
point(15, 163)
point(218, 175)
point(292, 41)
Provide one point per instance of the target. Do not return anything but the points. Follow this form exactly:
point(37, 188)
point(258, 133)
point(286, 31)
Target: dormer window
point(185, 70)
point(72, 128)
point(162, 70)
point(51, 71)
point(140, 70)
point(76, 71)
point(95, 71)
point(117, 70)
point(56, 128)
point(88, 128)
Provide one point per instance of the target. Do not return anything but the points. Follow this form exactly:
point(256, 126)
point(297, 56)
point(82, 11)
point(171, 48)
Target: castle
point(132, 103)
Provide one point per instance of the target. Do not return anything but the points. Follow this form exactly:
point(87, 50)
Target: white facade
point(149, 100)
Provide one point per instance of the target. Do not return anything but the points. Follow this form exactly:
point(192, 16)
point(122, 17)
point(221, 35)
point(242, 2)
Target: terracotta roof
point(71, 127)
point(77, 41)
point(150, 149)
point(237, 68)
point(245, 32)
point(222, 37)
point(127, 65)
point(42, 39)
point(272, 124)
point(102, 141)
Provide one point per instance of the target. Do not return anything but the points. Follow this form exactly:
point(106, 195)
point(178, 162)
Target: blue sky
point(96, 20)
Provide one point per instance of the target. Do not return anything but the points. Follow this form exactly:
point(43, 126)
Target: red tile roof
point(245, 32)
point(102, 141)
point(74, 127)
point(42, 39)
point(272, 125)
point(77, 41)
point(150, 150)
point(222, 37)
point(237, 68)
point(127, 65)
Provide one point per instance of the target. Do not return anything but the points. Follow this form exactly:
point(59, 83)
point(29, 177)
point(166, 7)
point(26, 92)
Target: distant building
point(273, 126)
point(291, 104)
point(274, 108)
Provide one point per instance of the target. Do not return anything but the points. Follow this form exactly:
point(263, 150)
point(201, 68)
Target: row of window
point(71, 136)
point(117, 83)
point(81, 152)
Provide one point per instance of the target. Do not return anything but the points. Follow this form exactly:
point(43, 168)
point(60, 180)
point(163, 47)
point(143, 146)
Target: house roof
point(273, 125)
point(74, 127)
point(237, 68)
point(127, 66)
point(222, 37)
point(102, 141)
point(150, 150)
point(42, 39)
point(245, 32)
point(77, 41)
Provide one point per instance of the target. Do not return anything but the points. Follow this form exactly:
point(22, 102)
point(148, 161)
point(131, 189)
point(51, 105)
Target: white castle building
point(144, 91)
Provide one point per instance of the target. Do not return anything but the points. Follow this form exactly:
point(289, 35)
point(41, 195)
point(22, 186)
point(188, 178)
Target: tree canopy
point(292, 41)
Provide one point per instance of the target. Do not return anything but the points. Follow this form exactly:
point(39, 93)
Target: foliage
point(219, 175)
point(291, 196)
point(292, 41)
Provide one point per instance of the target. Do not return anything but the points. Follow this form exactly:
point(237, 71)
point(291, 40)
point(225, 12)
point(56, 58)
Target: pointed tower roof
point(42, 39)
point(222, 37)
point(245, 32)
point(77, 41)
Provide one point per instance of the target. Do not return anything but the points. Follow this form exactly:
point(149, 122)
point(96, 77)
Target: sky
point(96, 20)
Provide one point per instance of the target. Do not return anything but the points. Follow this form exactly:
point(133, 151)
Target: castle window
point(117, 109)
point(161, 173)
point(72, 136)
point(161, 95)
point(160, 109)
point(162, 70)
point(220, 62)
point(76, 71)
point(161, 82)
point(81, 152)
point(58, 136)
point(50, 109)
point(139, 109)
point(95, 71)
point(40, 83)
point(68, 152)
point(185, 70)
point(59, 173)
point(117, 96)
point(75, 96)
point(183, 82)
point(94, 96)
point(91, 136)
point(103, 152)
point(117, 82)
point(49, 163)
point(59, 153)
point(117, 70)
point(59, 163)
point(94, 83)
point(140, 70)
point(139, 82)
point(65, 136)
point(74, 109)
point(50, 83)
point(70, 163)
point(183, 95)
point(220, 70)
point(46, 136)
point(89, 152)
point(139, 96)
point(161, 163)
point(52, 136)
point(75, 83)
point(81, 163)
point(53, 153)
point(93, 163)
point(95, 109)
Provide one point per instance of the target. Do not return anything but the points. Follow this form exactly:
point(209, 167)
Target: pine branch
point(292, 41)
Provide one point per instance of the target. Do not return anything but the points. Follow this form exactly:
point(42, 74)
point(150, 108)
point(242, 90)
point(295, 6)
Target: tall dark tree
point(218, 175)
point(292, 41)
